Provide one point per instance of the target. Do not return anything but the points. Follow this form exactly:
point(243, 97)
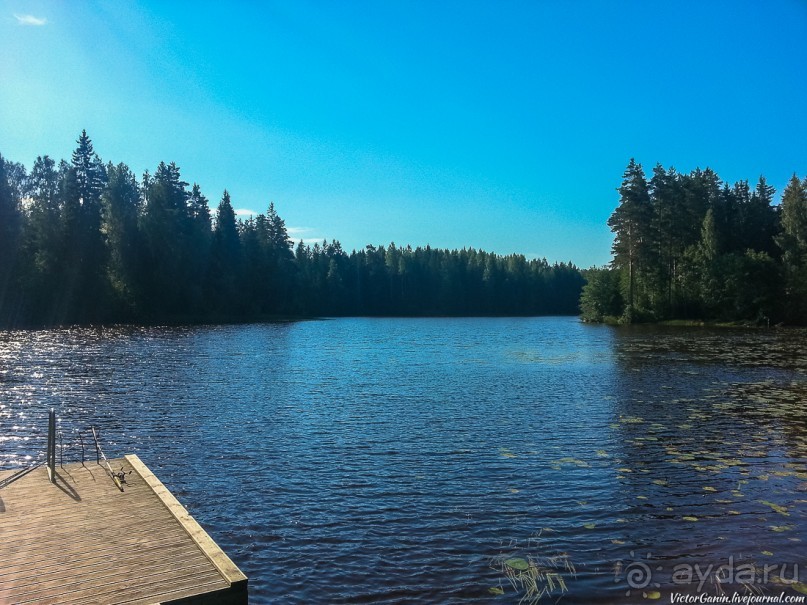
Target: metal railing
point(118, 478)
point(51, 451)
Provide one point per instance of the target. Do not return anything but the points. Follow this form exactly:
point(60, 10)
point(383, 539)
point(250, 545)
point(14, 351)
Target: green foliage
point(634, 237)
point(121, 205)
point(93, 245)
point(224, 270)
point(10, 236)
point(793, 243)
point(689, 246)
point(602, 297)
point(428, 281)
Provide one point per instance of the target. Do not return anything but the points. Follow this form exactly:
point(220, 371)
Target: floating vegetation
point(535, 576)
point(709, 488)
point(590, 525)
point(689, 518)
point(568, 460)
point(496, 590)
point(780, 528)
point(517, 563)
point(776, 507)
point(652, 595)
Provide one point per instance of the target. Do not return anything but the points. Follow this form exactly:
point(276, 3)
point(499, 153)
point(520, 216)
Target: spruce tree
point(121, 207)
point(793, 243)
point(225, 259)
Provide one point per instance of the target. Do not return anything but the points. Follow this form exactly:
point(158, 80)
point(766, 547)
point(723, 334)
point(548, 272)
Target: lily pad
point(653, 594)
point(517, 563)
point(689, 518)
point(497, 590)
point(590, 525)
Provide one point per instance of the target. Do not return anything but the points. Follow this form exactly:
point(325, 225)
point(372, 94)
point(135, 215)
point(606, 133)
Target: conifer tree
point(225, 258)
point(121, 207)
point(632, 224)
point(793, 243)
point(10, 232)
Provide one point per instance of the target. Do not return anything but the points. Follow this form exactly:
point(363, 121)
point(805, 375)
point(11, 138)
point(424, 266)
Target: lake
point(449, 460)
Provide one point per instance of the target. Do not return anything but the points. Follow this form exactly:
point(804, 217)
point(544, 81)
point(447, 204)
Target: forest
point(83, 242)
point(691, 247)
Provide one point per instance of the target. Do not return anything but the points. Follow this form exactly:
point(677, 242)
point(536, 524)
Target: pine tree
point(631, 223)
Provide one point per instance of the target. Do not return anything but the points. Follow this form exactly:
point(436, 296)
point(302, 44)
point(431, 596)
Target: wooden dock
point(83, 540)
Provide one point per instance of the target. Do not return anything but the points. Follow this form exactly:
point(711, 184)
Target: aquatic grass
point(534, 577)
point(782, 510)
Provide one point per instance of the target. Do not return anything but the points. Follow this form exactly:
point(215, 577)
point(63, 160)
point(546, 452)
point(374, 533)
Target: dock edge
point(229, 570)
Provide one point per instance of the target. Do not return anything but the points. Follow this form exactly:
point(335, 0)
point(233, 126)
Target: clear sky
point(499, 125)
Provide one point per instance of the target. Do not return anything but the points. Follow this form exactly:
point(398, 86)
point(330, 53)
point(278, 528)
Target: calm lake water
point(446, 460)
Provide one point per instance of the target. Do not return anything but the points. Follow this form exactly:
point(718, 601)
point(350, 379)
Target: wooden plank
point(223, 563)
point(100, 573)
point(113, 592)
point(22, 571)
point(42, 559)
point(83, 541)
point(199, 594)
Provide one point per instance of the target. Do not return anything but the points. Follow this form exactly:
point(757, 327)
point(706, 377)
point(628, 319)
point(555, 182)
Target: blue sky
point(499, 125)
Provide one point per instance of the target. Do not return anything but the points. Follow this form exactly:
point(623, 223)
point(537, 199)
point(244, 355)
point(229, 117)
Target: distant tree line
point(88, 242)
point(689, 246)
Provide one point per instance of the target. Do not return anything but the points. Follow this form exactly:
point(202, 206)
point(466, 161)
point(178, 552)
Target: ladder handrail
point(98, 450)
point(51, 451)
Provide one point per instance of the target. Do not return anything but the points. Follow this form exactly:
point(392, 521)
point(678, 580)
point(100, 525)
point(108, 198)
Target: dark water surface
point(433, 460)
